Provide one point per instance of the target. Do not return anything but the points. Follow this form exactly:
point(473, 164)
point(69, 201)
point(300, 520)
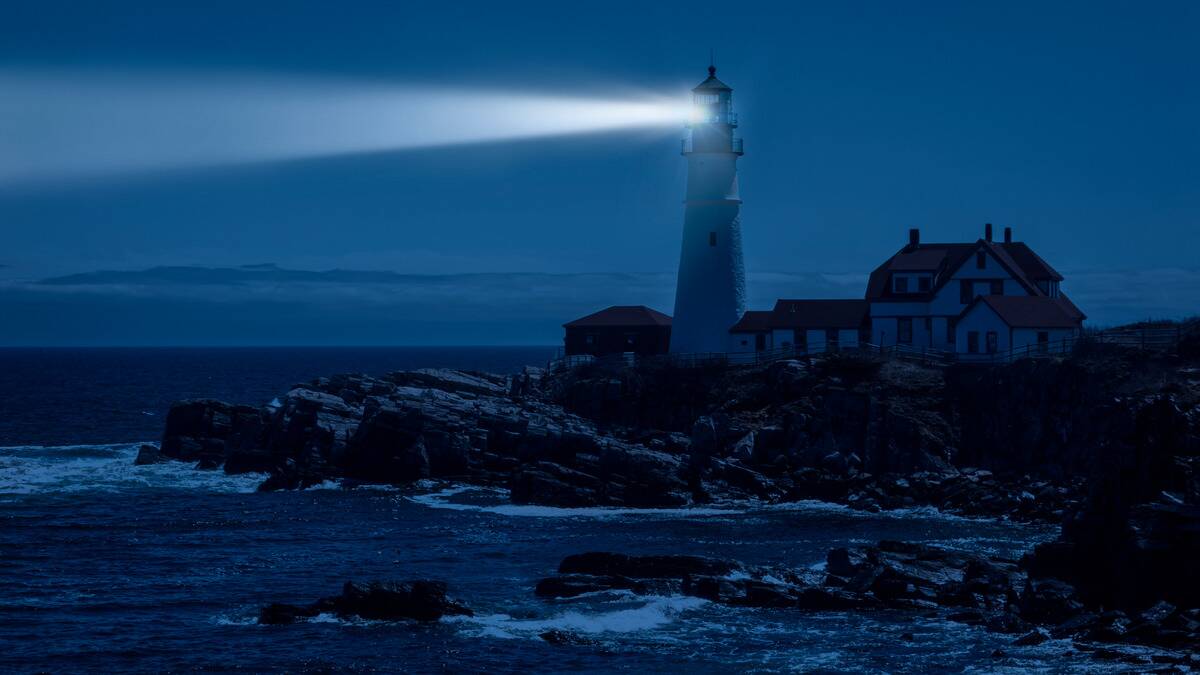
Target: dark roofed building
point(619, 329)
point(807, 326)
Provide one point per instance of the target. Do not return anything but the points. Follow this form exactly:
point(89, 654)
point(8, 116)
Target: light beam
point(57, 126)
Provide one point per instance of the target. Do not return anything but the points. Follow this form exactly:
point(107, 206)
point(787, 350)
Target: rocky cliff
point(1106, 441)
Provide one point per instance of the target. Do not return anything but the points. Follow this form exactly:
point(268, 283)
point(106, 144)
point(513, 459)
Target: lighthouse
point(710, 293)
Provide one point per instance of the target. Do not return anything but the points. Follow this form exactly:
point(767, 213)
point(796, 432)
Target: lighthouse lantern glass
point(711, 108)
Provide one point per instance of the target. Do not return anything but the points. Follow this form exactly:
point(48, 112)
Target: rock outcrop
point(994, 593)
point(377, 601)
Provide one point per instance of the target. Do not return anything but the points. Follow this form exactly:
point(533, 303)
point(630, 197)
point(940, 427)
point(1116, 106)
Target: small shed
point(620, 329)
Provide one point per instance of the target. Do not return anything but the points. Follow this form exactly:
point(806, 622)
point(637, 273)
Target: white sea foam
point(655, 613)
point(33, 469)
point(441, 500)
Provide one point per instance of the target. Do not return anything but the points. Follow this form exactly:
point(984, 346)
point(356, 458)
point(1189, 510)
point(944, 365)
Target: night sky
point(1073, 123)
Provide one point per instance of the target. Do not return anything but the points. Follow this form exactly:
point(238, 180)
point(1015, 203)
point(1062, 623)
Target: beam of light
point(56, 126)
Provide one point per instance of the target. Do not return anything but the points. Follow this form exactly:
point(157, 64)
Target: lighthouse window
point(712, 238)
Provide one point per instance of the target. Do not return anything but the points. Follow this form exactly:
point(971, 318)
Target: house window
point(992, 342)
point(901, 284)
point(1043, 341)
point(923, 284)
point(904, 328)
point(712, 238)
point(972, 342)
point(760, 342)
point(981, 260)
point(966, 292)
point(997, 287)
point(831, 339)
point(951, 329)
point(929, 325)
point(630, 340)
point(589, 339)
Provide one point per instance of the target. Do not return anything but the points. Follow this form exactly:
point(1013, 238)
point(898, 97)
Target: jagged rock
point(148, 454)
point(379, 600)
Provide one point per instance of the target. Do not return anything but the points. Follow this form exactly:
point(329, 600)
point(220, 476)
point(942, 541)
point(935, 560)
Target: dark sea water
point(109, 567)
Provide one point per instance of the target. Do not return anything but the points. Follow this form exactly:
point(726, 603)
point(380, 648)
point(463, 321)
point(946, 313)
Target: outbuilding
point(621, 329)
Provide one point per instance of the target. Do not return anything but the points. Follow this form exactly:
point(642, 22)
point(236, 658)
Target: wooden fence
point(1150, 338)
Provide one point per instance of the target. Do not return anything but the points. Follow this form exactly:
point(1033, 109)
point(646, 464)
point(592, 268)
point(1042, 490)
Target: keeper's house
point(979, 298)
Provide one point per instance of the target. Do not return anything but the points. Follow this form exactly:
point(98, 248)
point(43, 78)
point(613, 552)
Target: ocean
point(108, 567)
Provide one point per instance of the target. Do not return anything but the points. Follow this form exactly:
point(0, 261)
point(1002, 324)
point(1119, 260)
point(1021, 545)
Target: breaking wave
point(36, 469)
point(656, 613)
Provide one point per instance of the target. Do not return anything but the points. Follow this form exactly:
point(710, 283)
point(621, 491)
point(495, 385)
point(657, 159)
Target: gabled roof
point(621, 316)
point(753, 322)
point(1027, 311)
point(943, 260)
point(819, 313)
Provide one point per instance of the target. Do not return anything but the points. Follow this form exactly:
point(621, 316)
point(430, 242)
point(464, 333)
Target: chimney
point(914, 237)
point(1008, 235)
point(987, 232)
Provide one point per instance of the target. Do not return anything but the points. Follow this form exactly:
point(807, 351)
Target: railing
point(1148, 339)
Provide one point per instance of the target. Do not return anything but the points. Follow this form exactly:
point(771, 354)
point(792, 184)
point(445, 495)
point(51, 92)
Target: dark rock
point(148, 454)
point(278, 613)
point(1031, 639)
point(571, 585)
point(561, 637)
point(1049, 601)
point(645, 567)
point(380, 600)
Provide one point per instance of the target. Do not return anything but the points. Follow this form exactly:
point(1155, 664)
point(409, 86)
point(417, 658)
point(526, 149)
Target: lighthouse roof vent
point(712, 83)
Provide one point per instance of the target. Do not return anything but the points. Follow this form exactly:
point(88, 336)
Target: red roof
point(1028, 311)
point(620, 316)
point(943, 260)
point(752, 322)
point(819, 313)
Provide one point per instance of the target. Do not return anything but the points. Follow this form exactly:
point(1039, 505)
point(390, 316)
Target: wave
point(655, 613)
point(441, 500)
point(37, 469)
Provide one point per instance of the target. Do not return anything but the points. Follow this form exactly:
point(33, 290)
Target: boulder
point(419, 600)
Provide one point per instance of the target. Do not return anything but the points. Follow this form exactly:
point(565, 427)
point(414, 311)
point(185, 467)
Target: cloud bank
point(269, 305)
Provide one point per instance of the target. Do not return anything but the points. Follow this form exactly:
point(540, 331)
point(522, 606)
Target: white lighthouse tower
point(710, 294)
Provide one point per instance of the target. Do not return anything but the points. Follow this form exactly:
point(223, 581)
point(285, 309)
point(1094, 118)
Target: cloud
point(268, 304)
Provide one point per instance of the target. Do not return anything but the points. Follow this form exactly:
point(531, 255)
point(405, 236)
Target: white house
point(808, 326)
point(918, 295)
point(971, 298)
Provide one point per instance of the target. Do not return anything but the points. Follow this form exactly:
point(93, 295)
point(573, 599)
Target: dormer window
point(923, 284)
point(901, 284)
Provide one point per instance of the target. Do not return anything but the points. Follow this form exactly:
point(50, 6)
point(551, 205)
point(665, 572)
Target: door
point(992, 342)
point(760, 342)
